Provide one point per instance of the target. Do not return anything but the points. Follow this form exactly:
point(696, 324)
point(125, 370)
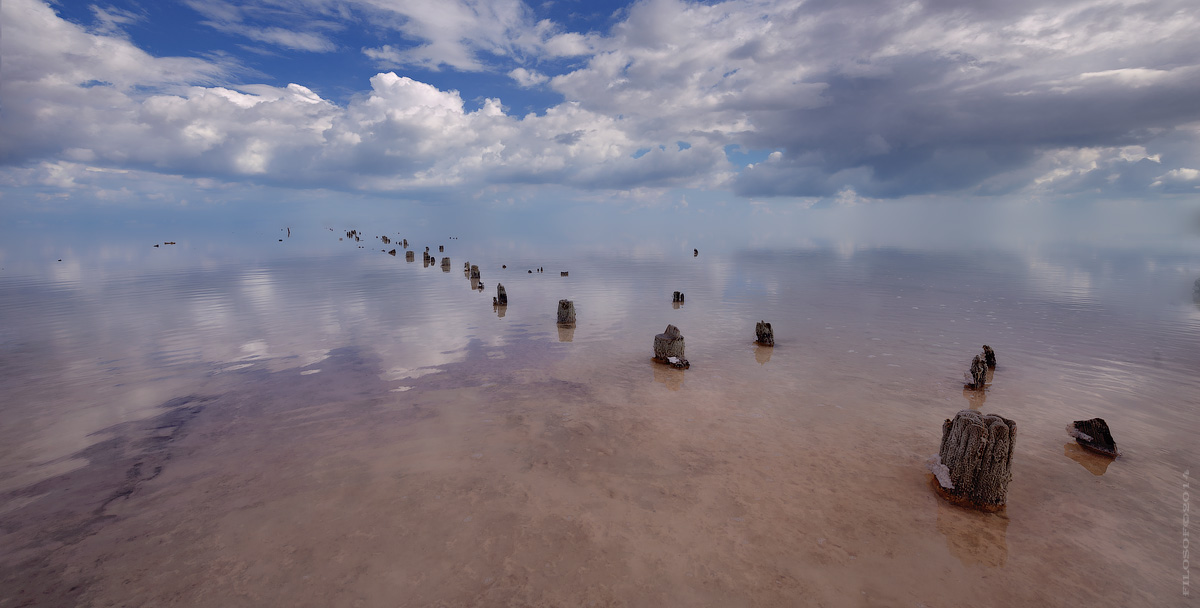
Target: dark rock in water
point(409, 256)
point(563, 273)
point(973, 465)
point(977, 376)
point(566, 312)
point(156, 245)
point(504, 265)
point(668, 348)
point(280, 240)
point(989, 356)
point(763, 334)
point(392, 252)
point(530, 272)
point(1094, 435)
point(501, 295)
point(695, 252)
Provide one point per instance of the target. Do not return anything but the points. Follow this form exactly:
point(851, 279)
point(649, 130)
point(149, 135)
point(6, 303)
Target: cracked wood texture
point(977, 449)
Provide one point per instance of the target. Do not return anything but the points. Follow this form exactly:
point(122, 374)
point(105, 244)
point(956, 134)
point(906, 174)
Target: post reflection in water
point(762, 354)
point(975, 398)
point(667, 375)
point(566, 333)
point(1096, 464)
point(974, 538)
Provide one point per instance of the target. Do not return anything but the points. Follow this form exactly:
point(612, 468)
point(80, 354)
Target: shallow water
point(236, 420)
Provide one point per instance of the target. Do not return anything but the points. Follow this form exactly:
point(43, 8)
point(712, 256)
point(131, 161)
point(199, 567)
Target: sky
point(815, 102)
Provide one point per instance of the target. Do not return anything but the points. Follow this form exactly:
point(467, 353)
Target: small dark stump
point(763, 334)
point(677, 297)
point(668, 348)
point(566, 312)
point(977, 375)
point(989, 356)
point(1094, 435)
point(501, 295)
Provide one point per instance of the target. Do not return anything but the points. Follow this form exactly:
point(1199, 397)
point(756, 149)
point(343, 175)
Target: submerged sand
point(532, 479)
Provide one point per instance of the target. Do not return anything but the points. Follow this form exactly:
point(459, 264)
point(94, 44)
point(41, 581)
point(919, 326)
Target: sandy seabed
point(530, 479)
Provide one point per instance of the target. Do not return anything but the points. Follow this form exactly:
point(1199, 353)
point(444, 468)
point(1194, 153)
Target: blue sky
point(744, 100)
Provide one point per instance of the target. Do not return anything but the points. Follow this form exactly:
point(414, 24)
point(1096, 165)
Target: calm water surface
point(236, 420)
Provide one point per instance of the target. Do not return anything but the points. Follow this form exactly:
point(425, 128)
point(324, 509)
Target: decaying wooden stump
point(977, 376)
point(677, 297)
point(409, 256)
point(763, 334)
point(973, 466)
point(1094, 435)
point(501, 295)
point(668, 348)
point(446, 264)
point(475, 272)
point(989, 356)
point(566, 312)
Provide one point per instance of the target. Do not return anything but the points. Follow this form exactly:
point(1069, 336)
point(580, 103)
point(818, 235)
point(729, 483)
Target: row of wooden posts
point(973, 466)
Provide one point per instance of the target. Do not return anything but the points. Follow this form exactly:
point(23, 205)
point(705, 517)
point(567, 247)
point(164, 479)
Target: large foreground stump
point(1094, 435)
point(763, 334)
point(668, 348)
point(475, 272)
point(973, 466)
point(566, 312)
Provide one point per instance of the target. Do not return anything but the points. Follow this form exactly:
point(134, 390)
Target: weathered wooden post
point(1094, 435)
point(763, 334)
point(989, 356)
point(501, 295)
point(445, 264)
point(977, 376)
point(475, 272)
point(973, 466)
point(409, 256)
point(668, 348)
point(566, 312)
